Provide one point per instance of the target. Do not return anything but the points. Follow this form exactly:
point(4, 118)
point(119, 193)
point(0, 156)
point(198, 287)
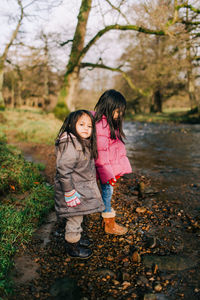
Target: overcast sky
point(62, 20)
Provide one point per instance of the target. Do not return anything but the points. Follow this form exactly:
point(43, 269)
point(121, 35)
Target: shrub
point(61, 111)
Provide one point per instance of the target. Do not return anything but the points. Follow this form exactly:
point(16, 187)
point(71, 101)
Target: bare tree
point(3, 57)
point(79, 50)
point(156, 64)
point(191, 18)
point(168, 27)
point(23, 11)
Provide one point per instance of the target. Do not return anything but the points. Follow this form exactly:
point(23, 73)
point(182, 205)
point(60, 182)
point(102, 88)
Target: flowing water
point(169, 154)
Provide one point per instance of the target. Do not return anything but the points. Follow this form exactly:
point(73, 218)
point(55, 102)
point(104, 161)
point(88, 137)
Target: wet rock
point(136, 258)
point(150, 190)
point(141, 187)
point(170, 262)
point(65, 288)
point(151, 242)
point(150, 297)
point(25, 269)
point(158, 287)
point(126, 276)
point(43, 233)
point(105, 272)
point(116, 282)
point(155, 297)
point(126, 249)
point(141, 210)
point(142, 280)
point(125, 285)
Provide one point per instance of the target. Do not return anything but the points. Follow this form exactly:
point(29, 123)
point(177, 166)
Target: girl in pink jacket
point(112, 161)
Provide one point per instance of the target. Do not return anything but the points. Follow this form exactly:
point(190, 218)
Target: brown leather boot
point(110, 226)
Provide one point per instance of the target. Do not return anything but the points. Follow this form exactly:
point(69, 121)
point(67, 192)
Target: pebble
point(115, 282)
point(125, 285)
point(126, 276)
point(141, 210)
point(136, 257)
point(158, 287)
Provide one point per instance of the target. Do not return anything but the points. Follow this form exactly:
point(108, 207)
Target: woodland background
point(60, 56)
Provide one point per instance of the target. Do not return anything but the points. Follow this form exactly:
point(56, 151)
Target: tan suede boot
point(110, 226)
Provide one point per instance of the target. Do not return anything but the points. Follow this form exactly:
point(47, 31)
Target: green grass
point(176, 110)
point(29, 126)
point(16, 173)
point(169, 116)
point(26, 199)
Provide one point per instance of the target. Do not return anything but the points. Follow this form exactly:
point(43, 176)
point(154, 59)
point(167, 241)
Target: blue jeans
point(107, 191)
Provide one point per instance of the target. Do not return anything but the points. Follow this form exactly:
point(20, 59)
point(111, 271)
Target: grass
point(168, 116)
point(26, 199)
point(29, 126)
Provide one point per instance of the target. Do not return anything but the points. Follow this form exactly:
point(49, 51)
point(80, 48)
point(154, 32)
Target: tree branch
point(124, 74)
point(118, 27)
point(15, 32)
point(184, 5)
point(119, 11)
point(65, 43)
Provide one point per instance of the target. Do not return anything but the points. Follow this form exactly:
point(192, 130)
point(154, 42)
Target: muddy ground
point(149, 262)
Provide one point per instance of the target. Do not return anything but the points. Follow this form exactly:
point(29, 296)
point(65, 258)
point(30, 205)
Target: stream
point(169, 155)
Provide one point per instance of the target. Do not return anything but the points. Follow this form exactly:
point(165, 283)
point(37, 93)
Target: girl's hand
point(72, 198)
point(112, 181)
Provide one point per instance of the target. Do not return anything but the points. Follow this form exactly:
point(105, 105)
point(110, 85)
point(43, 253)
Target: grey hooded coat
point(75, 170)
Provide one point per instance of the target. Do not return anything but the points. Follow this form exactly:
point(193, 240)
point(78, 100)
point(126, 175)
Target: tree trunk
point(13, 103)
point(7, 47)
point(46, 100)
point(18, 96)
point(190, 77)
point(2, 103)
point(71, 88)
point(191, 90)
point(157, 102)
point(71, 78)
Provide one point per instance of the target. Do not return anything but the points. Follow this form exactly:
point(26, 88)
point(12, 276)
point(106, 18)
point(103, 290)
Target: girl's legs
point(107, 191)
point(110, 226)
point(73, 229)
point(73, 235)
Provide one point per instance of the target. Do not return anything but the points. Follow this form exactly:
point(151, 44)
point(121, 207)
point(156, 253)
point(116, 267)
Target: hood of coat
point(65, 137)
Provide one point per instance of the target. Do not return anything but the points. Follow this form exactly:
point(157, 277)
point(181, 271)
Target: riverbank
point(26, 198)
point(149, 262)
point(157, 259)
point(186, 117)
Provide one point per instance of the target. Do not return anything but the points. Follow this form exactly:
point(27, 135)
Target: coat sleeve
point(65, 165)
point(103, 166)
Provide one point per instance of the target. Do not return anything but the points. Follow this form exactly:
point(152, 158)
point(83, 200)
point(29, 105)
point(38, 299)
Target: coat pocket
point(87, 190)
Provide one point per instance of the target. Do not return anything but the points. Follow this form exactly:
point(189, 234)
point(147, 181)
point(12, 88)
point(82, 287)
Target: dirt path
point(126, 267)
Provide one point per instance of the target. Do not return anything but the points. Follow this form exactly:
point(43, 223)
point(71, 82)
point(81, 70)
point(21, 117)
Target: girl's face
point(116, 114)
point(84, 126)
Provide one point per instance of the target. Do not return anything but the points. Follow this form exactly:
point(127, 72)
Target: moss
point(61, 111)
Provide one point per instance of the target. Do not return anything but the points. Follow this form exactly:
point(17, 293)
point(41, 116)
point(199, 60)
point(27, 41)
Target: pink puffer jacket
point(112, 160)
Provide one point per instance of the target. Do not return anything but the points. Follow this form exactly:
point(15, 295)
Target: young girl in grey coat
point(76, 190)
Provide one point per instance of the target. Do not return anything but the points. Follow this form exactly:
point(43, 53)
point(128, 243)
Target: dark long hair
point(69, 126)
point(107, 103)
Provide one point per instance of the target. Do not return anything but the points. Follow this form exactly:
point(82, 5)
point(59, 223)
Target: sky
point(62, 20)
